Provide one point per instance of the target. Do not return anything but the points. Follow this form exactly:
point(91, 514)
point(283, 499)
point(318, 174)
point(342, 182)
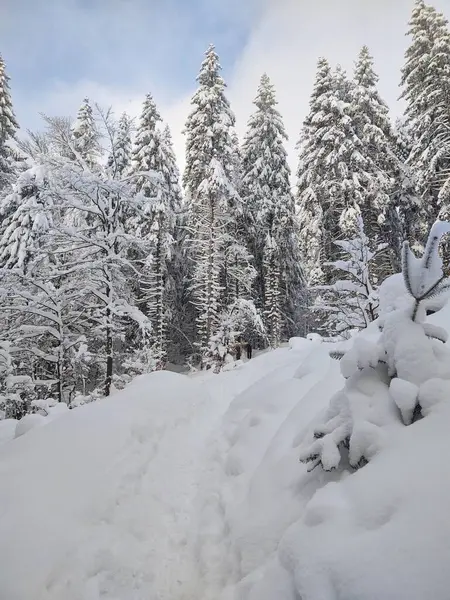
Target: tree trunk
point(109, 344)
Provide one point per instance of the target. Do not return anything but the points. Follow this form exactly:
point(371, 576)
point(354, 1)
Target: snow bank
point(379, 532)
point(97, 503)
point(7, 430)
point(27, 423)
point(180, 488)
point(382, 532)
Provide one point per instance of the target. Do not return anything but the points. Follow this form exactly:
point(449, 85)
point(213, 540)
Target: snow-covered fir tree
point(209, 238)
point(209, 180)
point(412, 214)
point(181, 322)
point(351, 303)
point(85, 136)
point(8, 128)
point(270, 209)
point(157, 218)
point(309, 179)
point(170, 170)
point(347, 165)
point(26, 217)
point(328, 187)
point(370, 116)
point(119, 160)
point(209, 128)
point(147, 151)
point(426, 86)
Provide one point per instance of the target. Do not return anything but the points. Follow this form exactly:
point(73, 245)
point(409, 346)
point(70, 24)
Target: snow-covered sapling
point(424, 277)
point(395, 379)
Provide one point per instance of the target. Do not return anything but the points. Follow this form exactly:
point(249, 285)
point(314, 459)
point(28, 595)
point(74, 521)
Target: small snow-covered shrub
point(391, 381)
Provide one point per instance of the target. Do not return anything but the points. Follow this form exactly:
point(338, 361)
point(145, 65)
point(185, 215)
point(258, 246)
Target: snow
point(182, 487)
point(405, 395)
point(27, 423)
point(7, 430)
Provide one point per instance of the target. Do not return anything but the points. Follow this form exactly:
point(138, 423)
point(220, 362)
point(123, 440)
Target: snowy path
point(128, 476)
point(122, 499)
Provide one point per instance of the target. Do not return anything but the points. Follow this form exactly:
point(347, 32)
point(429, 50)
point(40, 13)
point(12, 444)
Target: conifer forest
point(114, 264)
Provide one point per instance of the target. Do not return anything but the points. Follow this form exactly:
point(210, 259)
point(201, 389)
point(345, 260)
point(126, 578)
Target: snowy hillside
point(182, 488)
point(123, 498)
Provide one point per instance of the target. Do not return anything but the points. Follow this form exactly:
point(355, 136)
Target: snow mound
point(7, 430)
point(98, 503)
point(191, 487)
point(28, 422)
point(377, 532)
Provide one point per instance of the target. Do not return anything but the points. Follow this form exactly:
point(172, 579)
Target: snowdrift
point(93, 504)
point(180, 488)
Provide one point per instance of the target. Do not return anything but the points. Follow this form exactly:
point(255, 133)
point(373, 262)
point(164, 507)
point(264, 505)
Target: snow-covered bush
point(394, 377)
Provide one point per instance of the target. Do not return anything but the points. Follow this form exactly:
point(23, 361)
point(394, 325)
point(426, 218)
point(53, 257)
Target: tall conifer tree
point(156, 221)
point(271, 222)
point(8, 128)
point(209, 183)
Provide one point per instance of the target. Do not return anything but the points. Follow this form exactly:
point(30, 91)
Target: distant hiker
point(249, 350)
point(238, 351)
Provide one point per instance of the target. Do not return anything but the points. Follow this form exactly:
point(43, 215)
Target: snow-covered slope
point(111, 500)
point(190, 488)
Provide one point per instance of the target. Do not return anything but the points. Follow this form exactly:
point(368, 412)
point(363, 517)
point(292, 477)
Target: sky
point(58, 52)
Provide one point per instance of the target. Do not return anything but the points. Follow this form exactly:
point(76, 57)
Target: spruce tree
point(8, 128)
point(181, 325)
point(171, 171)
point(370, 117)
point(85, 136)
point(270, 207)
point(332, 172)
point(209, 128)
point(309, 174)
point(412, 214)
point(208, 181)
point(426, 88)
point(156, 221)
point(147, 151)
point(119, 160)
point(27, 218)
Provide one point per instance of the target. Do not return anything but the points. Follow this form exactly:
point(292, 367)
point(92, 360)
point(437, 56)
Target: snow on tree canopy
point(270, 209)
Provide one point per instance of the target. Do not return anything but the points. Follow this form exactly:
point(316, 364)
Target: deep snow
point(190, 488)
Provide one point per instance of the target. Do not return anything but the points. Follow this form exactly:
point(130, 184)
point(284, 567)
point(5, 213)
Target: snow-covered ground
point(190, 488)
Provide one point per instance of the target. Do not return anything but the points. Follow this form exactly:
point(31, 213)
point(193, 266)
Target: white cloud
point(285, 41)
point(293, 34)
